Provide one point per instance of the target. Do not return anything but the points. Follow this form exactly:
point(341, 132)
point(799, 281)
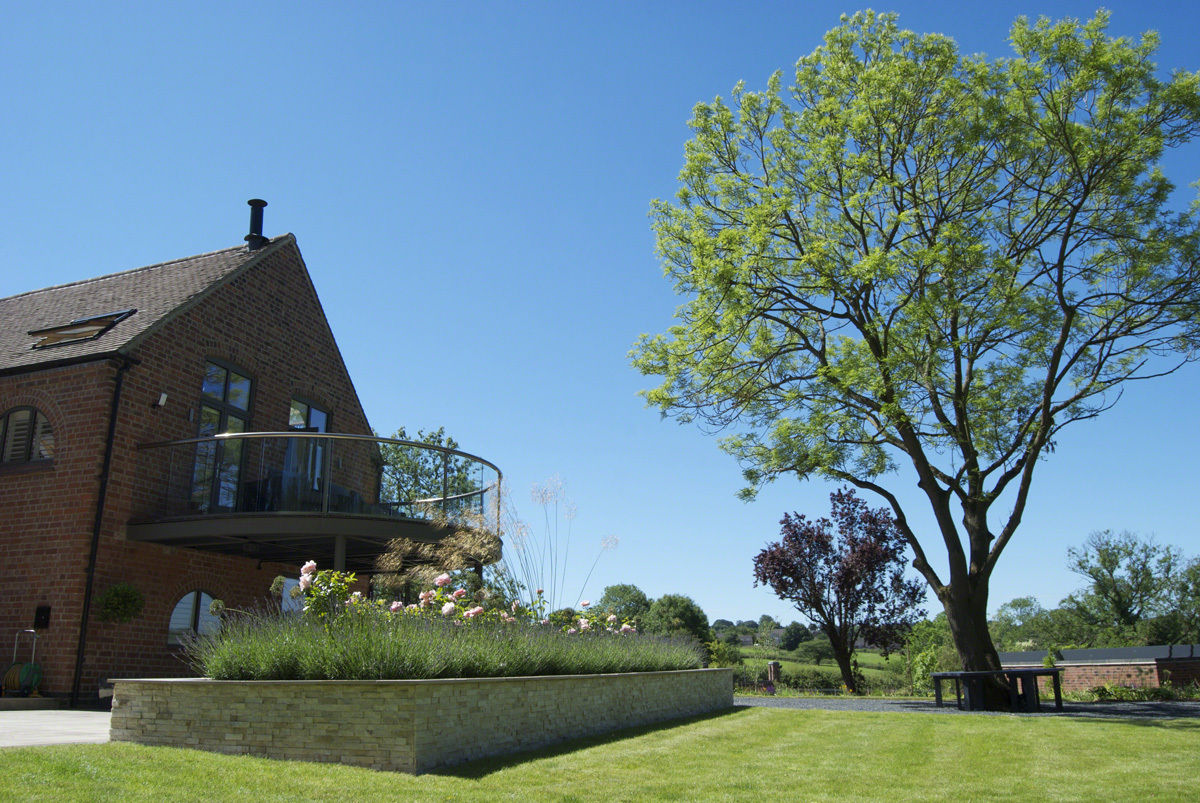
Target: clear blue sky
point(469, 184)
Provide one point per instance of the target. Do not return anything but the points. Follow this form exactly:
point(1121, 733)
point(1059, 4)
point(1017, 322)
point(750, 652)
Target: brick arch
point(208, 580)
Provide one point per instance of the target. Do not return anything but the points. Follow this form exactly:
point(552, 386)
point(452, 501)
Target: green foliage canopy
point(916, 257)
point(676, 615)
point(1131, 578)
point(626, 601)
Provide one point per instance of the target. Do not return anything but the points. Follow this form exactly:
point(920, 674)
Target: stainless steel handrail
point(446, 453)
point(323, 435)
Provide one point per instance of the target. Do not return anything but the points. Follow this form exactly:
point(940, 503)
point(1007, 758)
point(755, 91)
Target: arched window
point(25, 436)
point(192, 616)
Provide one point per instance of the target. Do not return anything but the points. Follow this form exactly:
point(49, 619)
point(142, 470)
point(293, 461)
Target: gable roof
point(158, 293)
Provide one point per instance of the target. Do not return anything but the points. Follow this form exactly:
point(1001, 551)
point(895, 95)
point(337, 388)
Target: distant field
point(871, 662)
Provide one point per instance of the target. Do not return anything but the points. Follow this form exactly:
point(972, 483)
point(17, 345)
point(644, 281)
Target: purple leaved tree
point(845, 574)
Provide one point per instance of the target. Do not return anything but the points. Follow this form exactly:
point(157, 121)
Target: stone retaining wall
point(404, 725)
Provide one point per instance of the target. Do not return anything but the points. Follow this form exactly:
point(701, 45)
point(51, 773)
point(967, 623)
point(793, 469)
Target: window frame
point(32, 439)
point(197, 595)
point(210, 501)
point(309, 407)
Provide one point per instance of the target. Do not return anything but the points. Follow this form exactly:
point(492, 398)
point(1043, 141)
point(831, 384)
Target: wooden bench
point(1022, 687)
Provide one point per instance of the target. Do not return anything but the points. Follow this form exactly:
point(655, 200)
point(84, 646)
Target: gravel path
point(1172, 710)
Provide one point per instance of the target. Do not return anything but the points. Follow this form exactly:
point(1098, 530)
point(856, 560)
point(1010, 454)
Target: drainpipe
point(126, 363)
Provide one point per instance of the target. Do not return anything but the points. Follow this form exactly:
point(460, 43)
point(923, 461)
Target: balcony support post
point(339, 553)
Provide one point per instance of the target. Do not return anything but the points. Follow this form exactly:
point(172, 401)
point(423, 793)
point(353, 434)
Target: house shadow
point(483, 767)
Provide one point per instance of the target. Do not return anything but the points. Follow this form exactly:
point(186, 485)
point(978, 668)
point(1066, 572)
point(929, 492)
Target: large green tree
point(677, 615)
point(626, 601)
point(916, 258)
point(414, 475)
point(1131, 579)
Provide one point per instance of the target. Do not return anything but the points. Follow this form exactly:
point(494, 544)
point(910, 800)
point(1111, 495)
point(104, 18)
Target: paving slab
point(63, 726)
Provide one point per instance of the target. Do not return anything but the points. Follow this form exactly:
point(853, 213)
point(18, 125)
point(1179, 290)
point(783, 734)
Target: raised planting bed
point(404, 725)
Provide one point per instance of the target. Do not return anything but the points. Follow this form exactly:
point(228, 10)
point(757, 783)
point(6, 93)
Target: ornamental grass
point(379, 646)
point(341, 635)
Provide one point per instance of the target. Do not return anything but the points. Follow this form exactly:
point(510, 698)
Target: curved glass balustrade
point(315, 473)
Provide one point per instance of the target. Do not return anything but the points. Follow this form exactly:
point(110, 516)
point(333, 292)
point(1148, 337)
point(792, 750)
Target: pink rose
point(584, 604)
point(397, 605)
point(309, 567)
point(571, 630)
point(448, 609)
point(584, 624)
point(612, 617)
point(627, 629)
point(412, 607)
point(473, 612)
point(459, 593)
point(305, 582)
point(442, 580)
point(539, 592)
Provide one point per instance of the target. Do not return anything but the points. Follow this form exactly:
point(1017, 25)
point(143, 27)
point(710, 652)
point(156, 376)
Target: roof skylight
point(79, 329)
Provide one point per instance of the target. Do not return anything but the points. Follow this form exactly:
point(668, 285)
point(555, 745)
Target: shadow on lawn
point(481, 768)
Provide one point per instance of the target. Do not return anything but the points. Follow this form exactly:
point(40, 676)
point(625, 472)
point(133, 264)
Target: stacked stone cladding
point(405, 725)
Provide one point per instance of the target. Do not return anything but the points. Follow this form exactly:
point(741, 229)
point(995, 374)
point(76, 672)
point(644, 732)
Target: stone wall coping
point(417, 681)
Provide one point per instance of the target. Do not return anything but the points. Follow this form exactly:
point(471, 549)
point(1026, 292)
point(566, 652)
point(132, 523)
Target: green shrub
point(120, 602)
point(1129, 694)
point(721, 653)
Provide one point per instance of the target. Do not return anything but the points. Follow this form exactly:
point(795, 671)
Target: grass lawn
point(748, 753)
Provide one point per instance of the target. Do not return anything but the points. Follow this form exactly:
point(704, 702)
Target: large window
point(25, 436)
point(304, 463)
point(192, 615)
point(224, 407)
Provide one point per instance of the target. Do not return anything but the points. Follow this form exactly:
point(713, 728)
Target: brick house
point(123, 400)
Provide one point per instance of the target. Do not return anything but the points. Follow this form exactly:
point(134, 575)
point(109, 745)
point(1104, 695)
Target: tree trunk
point(967, 616)
point(843, 653)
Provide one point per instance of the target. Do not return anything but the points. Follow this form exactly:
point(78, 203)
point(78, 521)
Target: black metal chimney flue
point(255, 237)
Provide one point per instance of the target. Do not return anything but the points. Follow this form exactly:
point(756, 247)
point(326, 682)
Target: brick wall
point(269, 322)
point(47, 511)
point(1079, 677)
point(1179, 671)
point(405, 725)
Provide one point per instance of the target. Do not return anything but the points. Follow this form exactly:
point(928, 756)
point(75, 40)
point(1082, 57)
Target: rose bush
point(326, 593)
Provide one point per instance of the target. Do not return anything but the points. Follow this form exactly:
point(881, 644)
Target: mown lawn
point(748, 753)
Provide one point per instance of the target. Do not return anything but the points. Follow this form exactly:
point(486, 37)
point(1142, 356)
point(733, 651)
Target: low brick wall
point(1180, 671)
point(1081, 677)
point(404, 725)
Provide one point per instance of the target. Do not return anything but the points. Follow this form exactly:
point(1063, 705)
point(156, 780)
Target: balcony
point(294, 496)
